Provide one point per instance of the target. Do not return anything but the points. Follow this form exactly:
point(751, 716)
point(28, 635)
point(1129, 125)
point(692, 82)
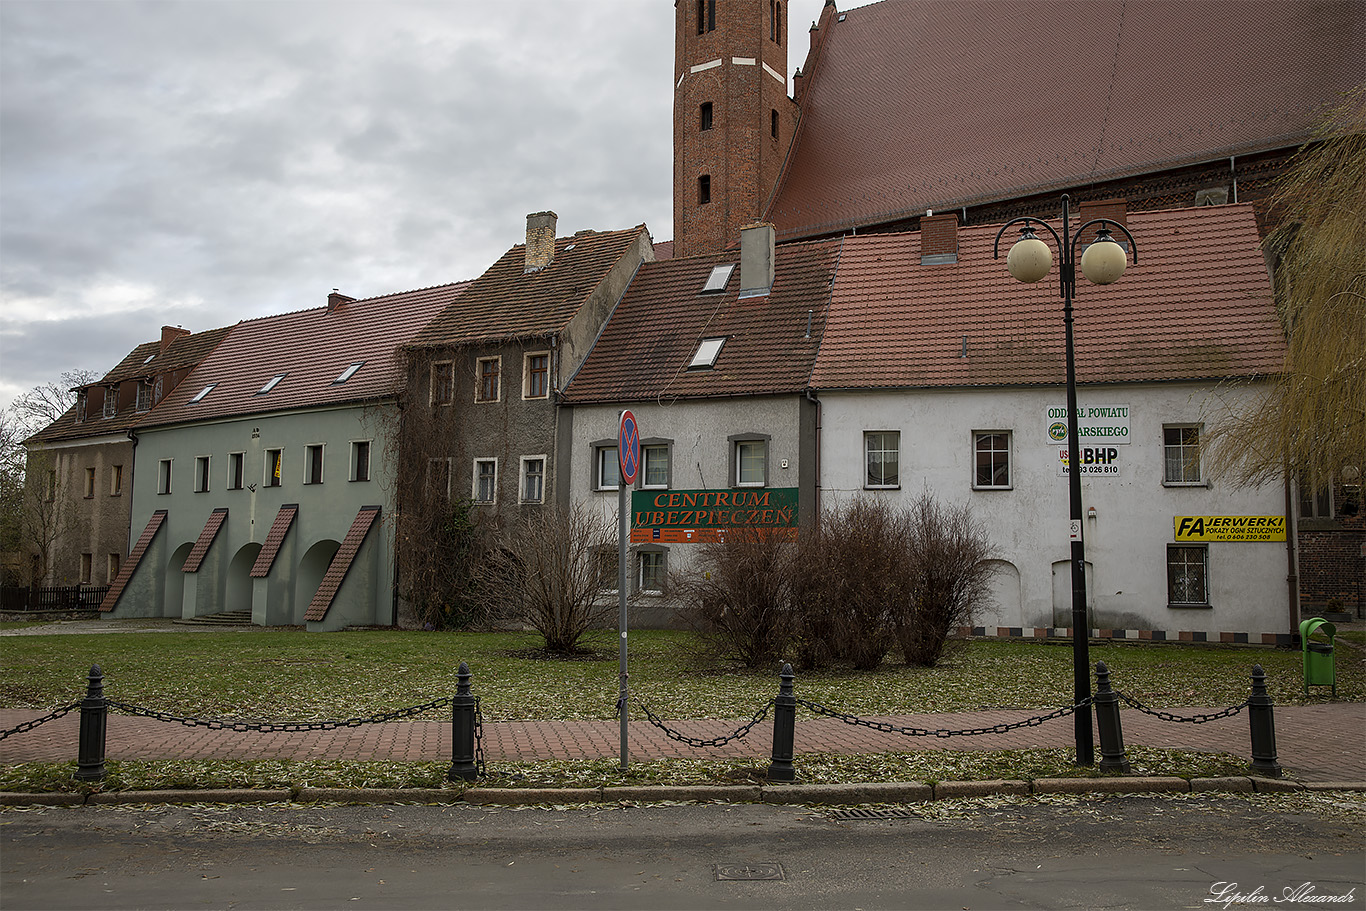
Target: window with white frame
point(533, 479)
point(1181, 451)
point(313, 463)
point(116, 480)
point(1188, 575)
point(201, 474)
point(271, 384)
point(749, 461)
point(606, 468)
point(164, 476)
point(991, 459)
point(882, 458)
point(536, 375)
point(651, 571)
point(236, 473)
point(360, 460)
point(656, 464)
point(144, 402)
point(485, 480)
point(439, 480)
point(443, 383)
point(486, 370)
point(274, 465)
point(111, 401)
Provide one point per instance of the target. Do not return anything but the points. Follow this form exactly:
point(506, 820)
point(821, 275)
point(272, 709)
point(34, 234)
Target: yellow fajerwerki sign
point(1230, 528)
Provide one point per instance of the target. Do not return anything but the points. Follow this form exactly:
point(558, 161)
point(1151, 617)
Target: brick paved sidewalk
point(1315, 743)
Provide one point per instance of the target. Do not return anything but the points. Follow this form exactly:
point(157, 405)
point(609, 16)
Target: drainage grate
point(865, 813)
point(751, 872)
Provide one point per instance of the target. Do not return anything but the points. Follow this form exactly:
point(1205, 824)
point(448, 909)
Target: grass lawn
point(283, 675)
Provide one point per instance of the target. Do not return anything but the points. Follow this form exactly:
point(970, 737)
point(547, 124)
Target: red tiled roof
point(130, 565)
point(206, 536)
point(664, 249)
point(341, 563)
point(312, 348)
point(940, 104)
point(274, 538)
point(644, 351)
point(1197, 304)
point(182, 353)
point(506, 302)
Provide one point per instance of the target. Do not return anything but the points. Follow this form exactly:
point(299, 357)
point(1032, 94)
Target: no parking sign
point(628, 447)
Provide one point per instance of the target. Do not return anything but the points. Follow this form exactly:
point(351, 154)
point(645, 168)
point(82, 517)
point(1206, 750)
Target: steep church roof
point(940, 104)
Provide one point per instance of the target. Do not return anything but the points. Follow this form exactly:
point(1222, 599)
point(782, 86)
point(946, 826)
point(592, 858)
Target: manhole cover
point(865, 813)
point(749, 871)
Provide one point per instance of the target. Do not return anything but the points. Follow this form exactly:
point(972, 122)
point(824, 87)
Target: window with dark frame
point(115, 480)
point(487, 371)
point(235, 470)
point(704, 117)
point(86, 561)
point(201, 474)
point(991, 455)
point(1181, 449)
point(537, 376)
point(443, 383)
point(882, 457)
point(274, 458)
point(1188, 575)
point(704, 190)
point(164, 476)
point(773, 123)
point(90, 483)
point(485, 480)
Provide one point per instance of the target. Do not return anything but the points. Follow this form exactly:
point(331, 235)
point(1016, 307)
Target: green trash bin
point(1319, 669)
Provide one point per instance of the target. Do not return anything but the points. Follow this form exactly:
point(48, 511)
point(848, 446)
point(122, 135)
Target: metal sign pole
point(621, 605)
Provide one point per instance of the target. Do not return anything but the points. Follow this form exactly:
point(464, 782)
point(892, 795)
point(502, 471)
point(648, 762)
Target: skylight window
point(716, 282)
point(707, 353)
point(149, 359)
point(199, 396)
point(348, 373)
point(270, 384)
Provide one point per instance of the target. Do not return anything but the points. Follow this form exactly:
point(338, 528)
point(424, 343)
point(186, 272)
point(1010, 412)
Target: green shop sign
point(699, 516)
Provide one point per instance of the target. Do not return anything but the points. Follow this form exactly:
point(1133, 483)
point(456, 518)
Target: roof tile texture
point(274, 538)
point(645, 349)
point(893, 120)
point(312, 348)
point(206, 535)
point(506, 302)
point(1197, 304)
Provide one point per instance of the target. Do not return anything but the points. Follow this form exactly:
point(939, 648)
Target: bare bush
point(549, 571)
point(443, 544)
point(948, 553)
point(741, 598)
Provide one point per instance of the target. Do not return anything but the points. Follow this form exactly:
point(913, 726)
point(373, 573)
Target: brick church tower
point(733, 119)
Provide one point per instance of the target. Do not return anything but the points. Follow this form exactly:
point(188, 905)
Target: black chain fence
point(269, 727)
point(39, 722)
point(1189, 719)
point(942, 732)
point(737, 734)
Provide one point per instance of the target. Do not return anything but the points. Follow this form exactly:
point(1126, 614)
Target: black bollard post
point(94, 717)
point(1262, 720)
point(784, 729)
point(463, 766)
point(1107, 721)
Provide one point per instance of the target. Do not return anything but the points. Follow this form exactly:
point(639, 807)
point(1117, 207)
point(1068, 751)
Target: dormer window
point(82, 400)
point(144, 395)
point(270, 384)
point(348, 373)
point(707, 352)
point(111, 401)
point(716, 282)
point(199, 396)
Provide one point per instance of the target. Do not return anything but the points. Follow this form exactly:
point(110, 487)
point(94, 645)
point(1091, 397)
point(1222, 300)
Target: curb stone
point(828, 794)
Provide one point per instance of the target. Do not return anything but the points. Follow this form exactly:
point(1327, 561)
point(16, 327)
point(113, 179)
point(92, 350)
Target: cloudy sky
point(198, 163)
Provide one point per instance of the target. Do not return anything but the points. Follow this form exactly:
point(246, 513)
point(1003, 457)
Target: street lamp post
point(1102, 262)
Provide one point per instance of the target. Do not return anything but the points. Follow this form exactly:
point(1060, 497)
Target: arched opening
point(1003, 606)
point(312, 568)
point(238, 596)
point(173, 602)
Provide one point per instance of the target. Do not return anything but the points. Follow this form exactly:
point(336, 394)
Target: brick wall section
point(1333, 557)
point(939, 234)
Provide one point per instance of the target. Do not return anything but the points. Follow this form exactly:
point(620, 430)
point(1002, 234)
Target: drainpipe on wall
point(815, 400)
point(1292, 577)
point(132, 473)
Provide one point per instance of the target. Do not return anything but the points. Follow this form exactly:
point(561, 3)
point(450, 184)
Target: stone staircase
point(226, 618)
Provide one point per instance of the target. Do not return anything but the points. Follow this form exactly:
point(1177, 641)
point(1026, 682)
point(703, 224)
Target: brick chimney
point(170, 334)
point(540, 240)
point(336, 299)
point(756, 259)
point(939, 239)
point(1114, 210)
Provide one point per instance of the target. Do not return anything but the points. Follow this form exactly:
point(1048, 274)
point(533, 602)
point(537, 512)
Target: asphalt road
point(1140, 852)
